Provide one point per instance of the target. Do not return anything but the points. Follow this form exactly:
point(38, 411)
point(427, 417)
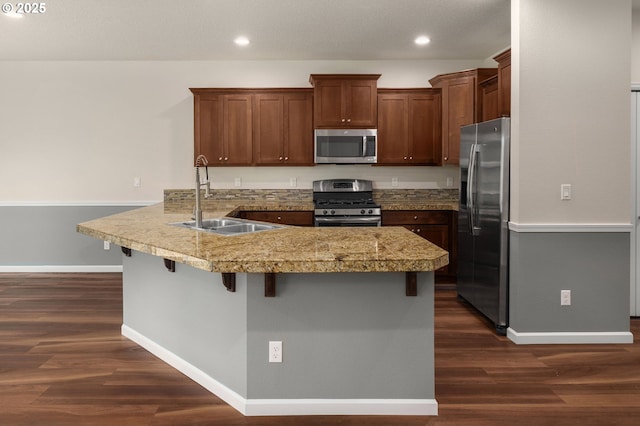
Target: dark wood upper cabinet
point(345, 100)
point(461, 105)
point(409, 127)
point(490, 98)
point(244, 127)
point(283, 127)
point(223, 127)
point(504, 83)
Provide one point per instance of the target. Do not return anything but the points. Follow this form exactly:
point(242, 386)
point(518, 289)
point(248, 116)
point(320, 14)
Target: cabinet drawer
point(408, 217)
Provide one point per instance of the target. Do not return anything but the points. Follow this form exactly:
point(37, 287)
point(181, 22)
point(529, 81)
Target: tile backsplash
point(183, 200)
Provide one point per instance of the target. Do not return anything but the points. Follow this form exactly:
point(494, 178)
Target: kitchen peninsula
point(352, 308)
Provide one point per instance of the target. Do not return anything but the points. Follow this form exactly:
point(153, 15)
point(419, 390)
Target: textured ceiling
point(278, 29)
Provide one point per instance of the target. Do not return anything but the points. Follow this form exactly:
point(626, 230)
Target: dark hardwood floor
point(64, 362)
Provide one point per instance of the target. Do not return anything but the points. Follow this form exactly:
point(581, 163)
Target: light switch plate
point(565, 191)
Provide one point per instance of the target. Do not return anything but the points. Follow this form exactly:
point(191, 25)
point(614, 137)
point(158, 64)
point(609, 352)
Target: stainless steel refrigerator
point(483, 219)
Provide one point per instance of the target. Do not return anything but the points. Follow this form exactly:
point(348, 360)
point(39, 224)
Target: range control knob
point(362, 211)
point(370, 211)
point(324, 212)
point(333, 212)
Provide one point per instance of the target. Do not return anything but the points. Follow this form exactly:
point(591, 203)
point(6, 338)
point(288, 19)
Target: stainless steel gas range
point(345, 202)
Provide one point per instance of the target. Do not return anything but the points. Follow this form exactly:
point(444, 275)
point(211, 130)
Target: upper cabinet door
point(223, 127)
point(345, 100)
point(409, 127)
point(208, 117)
point(393, 128)
point(268, 142)
point(425, 128)
point(283, 129)
point(504, 83)
point(237, 130)
point(298, 129)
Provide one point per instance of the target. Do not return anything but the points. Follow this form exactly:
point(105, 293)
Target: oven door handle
point(374, 220)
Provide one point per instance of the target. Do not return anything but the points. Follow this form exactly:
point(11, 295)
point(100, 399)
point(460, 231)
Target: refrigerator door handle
point(470, 185)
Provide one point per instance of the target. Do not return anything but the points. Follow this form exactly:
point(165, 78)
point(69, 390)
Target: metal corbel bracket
point(126, 251)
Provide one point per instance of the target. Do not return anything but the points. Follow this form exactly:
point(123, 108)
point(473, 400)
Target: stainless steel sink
point(228, 227)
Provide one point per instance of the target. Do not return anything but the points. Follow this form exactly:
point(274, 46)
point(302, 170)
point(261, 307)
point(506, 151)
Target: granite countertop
point(289, 249)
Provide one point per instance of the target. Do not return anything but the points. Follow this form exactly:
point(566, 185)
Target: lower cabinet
point(438, 226)
point(297, 218)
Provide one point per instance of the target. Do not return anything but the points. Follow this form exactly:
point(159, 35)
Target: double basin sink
point(228, 227)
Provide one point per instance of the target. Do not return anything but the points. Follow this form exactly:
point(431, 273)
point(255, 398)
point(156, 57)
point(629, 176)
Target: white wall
point(635, 47)
point(79, 132)
point(570, 111)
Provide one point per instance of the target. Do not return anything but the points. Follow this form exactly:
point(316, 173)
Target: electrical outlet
point(275, 351)
point(449, 182)
point(565, 297)
point(394, 181)
point(237, 182)
point(107, 245)
point(136, 182)
point(293, 182)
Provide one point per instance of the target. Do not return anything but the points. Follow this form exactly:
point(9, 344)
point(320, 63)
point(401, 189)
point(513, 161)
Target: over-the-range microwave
point(346, 146)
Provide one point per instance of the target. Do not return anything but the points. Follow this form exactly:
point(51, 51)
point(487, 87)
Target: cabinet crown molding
point(481, 73)
point(314, 77)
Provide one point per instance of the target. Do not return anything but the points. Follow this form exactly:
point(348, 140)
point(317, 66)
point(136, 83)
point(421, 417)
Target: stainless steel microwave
point(346, 146)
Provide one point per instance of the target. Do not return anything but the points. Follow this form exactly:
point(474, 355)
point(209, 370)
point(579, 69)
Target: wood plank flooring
point(64, 362)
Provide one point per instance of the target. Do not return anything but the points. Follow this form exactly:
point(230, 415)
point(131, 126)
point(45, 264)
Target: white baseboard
point(344, 407)
point(60, 268)
point(285, 407)
point(571, 227)
point(562, 338)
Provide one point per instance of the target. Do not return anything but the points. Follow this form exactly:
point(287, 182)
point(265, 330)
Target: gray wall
point(353, 335)
point(349, 335)
point(190, 313)
point(593, 265)
point(41, 236)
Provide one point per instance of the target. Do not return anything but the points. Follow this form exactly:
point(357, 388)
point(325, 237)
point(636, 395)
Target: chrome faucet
point(197, 211)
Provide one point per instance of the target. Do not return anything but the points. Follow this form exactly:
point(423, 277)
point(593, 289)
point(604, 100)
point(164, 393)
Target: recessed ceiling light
point(422, 40)
point(241, 41)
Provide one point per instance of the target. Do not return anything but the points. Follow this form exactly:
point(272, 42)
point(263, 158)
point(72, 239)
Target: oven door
point(347, 221)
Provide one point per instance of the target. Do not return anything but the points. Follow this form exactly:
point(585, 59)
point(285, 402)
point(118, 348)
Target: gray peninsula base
point(352, 343)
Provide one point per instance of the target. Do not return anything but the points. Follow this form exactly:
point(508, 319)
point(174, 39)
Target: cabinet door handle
point(280, 158)
point(405, 158)
point(348, 120)
point(286, 158)
point(279, 218)
point(226, 158)
point(343, 120)
point(415, 218)
point(220, 159)
point(446, 158)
